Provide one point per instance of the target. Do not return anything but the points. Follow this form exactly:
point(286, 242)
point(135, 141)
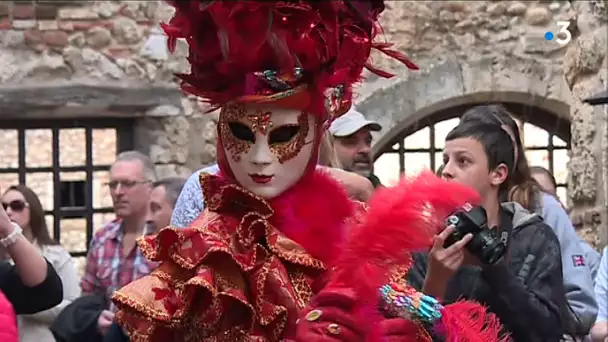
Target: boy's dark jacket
point(526, 291)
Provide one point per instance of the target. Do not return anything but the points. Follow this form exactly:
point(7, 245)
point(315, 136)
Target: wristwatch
point(13, 236)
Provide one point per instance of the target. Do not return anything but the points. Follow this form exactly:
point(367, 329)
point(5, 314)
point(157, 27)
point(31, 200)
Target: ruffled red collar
point(312, 213)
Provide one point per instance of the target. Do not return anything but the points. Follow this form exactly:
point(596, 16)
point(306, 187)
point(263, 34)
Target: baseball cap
point(350, 123)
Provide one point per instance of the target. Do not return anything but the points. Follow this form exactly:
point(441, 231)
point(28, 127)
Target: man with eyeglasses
point(113, 259)
point(162, 201)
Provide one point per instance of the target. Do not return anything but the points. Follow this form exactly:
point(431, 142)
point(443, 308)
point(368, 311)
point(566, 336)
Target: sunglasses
point(16, 205)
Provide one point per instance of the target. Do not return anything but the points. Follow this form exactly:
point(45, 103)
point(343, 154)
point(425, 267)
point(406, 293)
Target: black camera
point(485, 245)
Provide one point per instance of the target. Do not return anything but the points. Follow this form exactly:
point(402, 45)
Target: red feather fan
point(400, 220)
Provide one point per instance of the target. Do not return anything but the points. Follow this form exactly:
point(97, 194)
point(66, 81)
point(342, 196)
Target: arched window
point(422, 149)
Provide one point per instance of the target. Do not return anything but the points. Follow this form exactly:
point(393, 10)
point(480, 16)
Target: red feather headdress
point(297, 54)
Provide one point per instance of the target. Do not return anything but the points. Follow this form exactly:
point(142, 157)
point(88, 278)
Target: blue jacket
point(190, 203)
point(601, 288)
point(578, 259)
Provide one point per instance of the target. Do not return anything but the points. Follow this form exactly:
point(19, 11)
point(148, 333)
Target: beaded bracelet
point(404, 301)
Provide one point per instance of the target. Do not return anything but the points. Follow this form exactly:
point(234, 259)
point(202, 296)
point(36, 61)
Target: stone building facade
point(87, 60)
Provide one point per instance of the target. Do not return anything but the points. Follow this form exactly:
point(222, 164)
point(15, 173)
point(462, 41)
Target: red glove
point(330, 317)
point(399, 330)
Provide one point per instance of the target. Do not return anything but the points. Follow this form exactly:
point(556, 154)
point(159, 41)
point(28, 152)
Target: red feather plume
point(466, 321)
point(401, 219)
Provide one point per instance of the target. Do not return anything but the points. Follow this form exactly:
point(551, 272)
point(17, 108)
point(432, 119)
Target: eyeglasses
point(16, 205)
point(127, 184)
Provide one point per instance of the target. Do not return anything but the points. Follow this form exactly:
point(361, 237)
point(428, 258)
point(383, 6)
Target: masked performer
point(249, 265)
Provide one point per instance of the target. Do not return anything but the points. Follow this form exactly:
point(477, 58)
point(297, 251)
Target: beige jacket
point(35, 327)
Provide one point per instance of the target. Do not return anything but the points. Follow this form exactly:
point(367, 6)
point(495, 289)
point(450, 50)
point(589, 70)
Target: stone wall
point(116, 45)
point(586, 71)
point(431, 29)
point(492, 39)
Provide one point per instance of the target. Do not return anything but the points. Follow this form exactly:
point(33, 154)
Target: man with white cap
point(353, 143)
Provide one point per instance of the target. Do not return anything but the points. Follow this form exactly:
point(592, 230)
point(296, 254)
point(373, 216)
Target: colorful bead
point(409, 303)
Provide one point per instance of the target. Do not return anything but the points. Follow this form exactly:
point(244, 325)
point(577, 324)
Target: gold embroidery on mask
point(261, 121)
point(288, 150)
point(232, 113)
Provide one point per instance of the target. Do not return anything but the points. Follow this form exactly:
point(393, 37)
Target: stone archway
point(402, 103)
point(405, 102)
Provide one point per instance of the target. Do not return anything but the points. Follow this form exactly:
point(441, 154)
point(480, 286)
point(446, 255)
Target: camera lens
point(487, 247)
point(494, 254)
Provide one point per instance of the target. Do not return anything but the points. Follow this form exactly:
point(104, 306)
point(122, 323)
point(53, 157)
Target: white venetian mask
point(267, 148)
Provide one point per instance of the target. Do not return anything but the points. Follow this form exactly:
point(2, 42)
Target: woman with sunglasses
point(28, 278)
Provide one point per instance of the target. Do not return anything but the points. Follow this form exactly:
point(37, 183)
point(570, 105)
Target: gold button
point(313, 315)
point(333, 329)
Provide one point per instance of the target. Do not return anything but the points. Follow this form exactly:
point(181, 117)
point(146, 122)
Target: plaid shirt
point(107, 268)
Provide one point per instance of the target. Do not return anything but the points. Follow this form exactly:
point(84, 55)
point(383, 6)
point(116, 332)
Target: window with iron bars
point(66, 163)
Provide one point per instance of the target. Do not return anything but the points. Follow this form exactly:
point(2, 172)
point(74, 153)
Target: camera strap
point(506, 231)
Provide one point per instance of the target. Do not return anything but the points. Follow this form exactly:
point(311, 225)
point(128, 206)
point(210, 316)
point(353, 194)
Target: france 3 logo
point(563, 35)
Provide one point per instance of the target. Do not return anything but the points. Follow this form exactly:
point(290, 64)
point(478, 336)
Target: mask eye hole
point(241, 132)
point(283, 134)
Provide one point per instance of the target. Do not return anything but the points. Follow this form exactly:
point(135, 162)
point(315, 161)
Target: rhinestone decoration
point(333, 329)
point(261, 121)
point(280, 82)
point(314, 315)
point(333, 99)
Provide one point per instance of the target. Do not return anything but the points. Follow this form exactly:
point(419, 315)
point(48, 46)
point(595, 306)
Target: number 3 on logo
point(563, 36)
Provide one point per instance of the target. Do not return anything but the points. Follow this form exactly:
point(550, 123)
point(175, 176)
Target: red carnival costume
point(258, 257)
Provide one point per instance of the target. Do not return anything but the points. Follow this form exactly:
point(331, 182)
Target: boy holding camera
point(525, 288)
